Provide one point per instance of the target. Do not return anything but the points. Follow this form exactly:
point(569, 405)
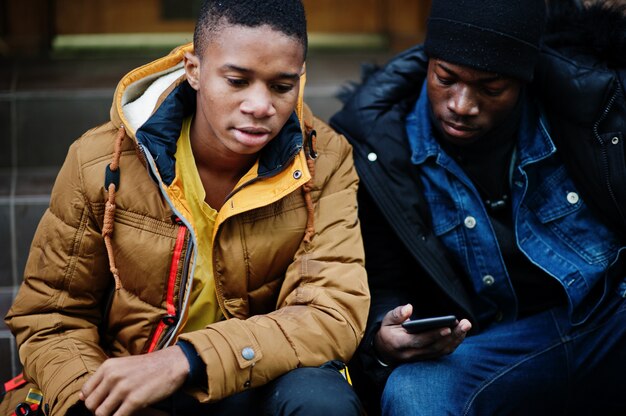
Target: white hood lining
point(140, 98)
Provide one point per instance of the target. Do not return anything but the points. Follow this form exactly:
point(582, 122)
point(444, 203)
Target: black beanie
point(500, 36)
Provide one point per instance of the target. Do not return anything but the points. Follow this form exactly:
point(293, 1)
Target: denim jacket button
point(572, 198)
point(470, 222)
point(488, 280)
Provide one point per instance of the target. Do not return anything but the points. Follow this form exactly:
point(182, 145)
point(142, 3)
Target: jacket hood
point(583, 55)
point(597, 31)
point(140, 91)
point(151, 101)
point(382, 89)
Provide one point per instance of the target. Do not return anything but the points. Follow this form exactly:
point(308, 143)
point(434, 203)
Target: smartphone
point(421, 325)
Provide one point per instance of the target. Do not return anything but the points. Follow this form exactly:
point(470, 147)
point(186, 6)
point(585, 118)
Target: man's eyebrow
point(282, 75)
point(489, 78)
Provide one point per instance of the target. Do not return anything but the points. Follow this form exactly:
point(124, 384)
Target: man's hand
point(393, 344)
point(124, 385)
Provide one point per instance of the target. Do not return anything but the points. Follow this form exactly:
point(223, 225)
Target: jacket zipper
point(167, 335)
point(184, 276)
point(170, 320)
point(166, 338)
point(605, 156)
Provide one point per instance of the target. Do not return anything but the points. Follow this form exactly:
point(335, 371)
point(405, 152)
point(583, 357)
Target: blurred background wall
point(32, 27)
point(60, 61)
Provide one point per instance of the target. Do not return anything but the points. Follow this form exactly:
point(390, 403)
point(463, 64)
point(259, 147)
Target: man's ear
point(191, 62)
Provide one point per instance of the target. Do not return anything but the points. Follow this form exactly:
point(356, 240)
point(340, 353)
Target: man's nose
point(464, 102)
point(258, 102)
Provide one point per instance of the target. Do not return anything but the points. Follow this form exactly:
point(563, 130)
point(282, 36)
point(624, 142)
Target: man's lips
point(459, 131)
point(460, 127)
point(252, 135)
point(253, 130)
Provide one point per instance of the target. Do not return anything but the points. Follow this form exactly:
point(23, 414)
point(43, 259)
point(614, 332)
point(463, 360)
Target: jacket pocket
point(444, 214)
point(558, 206)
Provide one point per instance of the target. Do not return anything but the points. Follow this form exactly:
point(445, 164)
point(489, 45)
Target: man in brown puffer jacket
point(220, 268)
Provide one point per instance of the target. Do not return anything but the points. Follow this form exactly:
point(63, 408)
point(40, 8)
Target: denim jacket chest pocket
point(444, 213)
point(566, 219)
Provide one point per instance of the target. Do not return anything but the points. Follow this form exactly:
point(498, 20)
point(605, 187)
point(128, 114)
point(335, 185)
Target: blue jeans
point(539, 365)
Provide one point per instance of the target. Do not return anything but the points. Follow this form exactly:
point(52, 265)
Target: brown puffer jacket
point(295, 300)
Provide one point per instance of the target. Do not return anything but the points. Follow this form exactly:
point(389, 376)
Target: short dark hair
point(286, 16)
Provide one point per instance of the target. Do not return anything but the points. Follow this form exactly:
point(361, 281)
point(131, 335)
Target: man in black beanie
point(493, 188)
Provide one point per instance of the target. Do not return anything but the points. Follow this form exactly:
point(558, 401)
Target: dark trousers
point(314, 391)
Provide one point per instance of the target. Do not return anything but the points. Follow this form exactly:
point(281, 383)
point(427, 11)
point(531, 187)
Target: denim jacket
point(554, 227)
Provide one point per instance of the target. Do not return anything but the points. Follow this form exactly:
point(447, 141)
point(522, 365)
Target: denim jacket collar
point(420, 130)
point(534, 141)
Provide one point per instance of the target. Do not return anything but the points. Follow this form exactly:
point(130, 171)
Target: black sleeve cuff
point(197, 369)
point(374, 368)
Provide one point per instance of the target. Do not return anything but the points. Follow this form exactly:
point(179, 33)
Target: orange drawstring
point(307, 187)
point(109, 208)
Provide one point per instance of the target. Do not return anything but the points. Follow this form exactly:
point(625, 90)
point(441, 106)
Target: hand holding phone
point(421, 325)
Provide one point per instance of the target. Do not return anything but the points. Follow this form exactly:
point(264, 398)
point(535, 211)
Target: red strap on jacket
point(31, 405)
point(14, 383)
